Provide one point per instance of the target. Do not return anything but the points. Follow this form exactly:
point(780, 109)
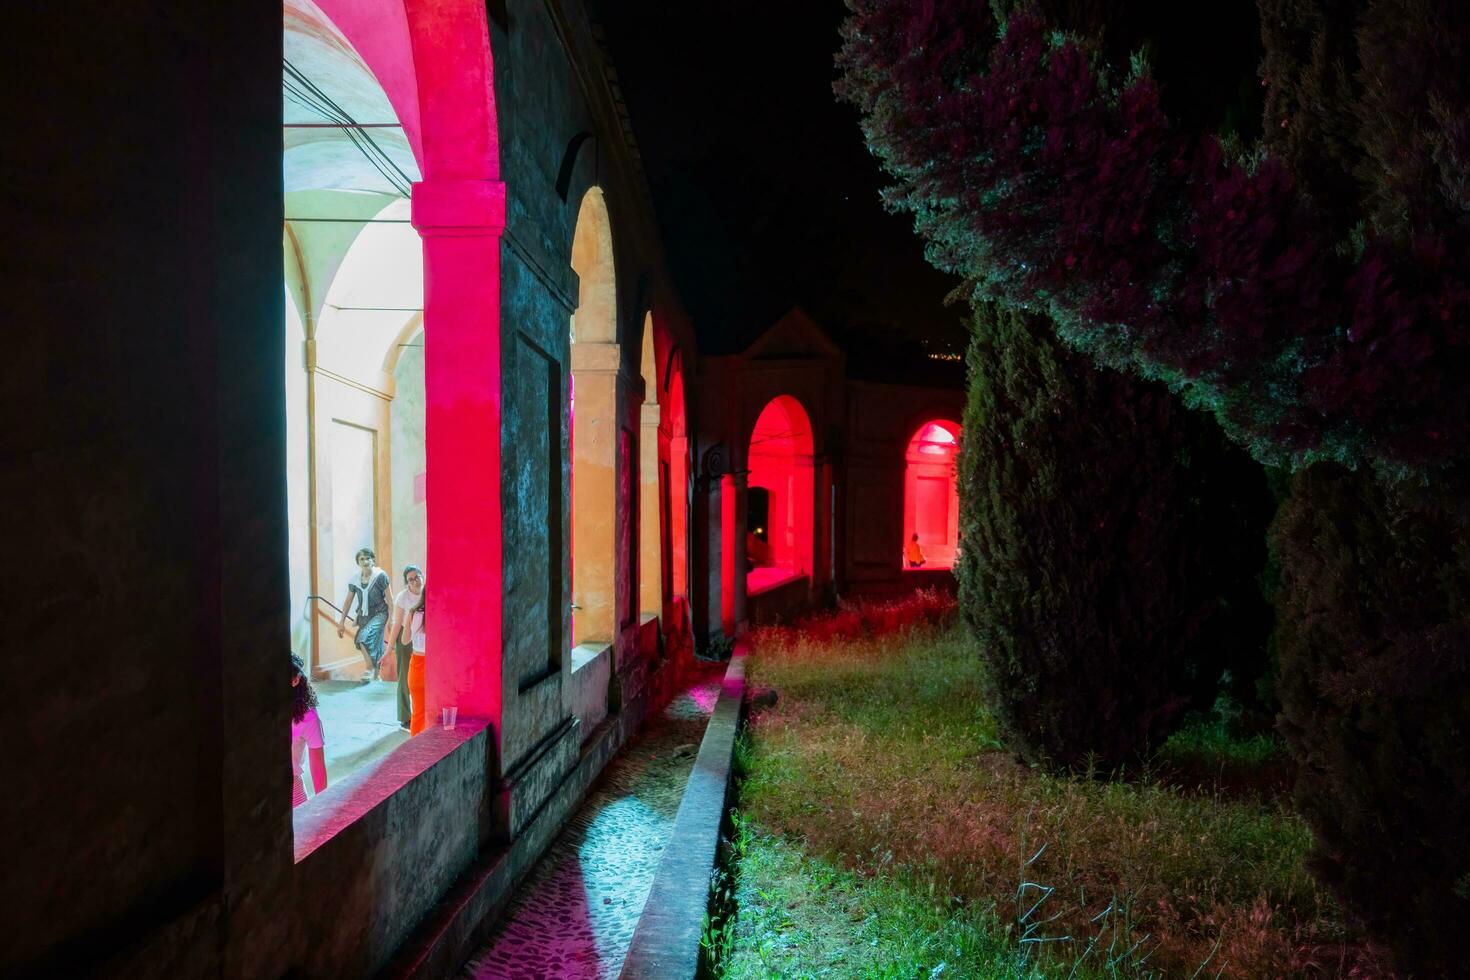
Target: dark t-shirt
point(372, 598)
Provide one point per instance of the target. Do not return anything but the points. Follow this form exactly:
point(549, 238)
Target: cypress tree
point(1100, 572)
point(1374, 641)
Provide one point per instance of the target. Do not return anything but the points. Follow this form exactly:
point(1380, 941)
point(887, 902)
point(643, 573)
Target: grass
point(886, 833)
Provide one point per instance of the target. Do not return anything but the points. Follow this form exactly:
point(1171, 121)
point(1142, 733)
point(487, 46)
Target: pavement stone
point(574, 915)
point(359, 724)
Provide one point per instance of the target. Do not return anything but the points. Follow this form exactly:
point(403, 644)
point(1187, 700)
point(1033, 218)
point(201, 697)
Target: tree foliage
point(1374, 641)
point(1054, 181)
point(1111, 542)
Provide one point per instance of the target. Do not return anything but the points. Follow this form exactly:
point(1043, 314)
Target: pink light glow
point(935, 440)
point(931, 498)
point(379, 32)
point(780, 462)
point(678, 486)
point(442, 78)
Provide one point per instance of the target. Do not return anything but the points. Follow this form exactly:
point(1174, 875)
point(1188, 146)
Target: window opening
point(355, 401)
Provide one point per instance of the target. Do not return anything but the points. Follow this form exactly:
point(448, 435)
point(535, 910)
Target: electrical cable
point(301, 90)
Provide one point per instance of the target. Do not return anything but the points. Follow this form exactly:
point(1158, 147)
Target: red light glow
point(780, 463)
point(930, 496)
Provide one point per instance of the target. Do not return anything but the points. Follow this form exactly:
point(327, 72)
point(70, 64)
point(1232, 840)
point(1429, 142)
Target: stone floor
point(574, 915)
point(359, 722)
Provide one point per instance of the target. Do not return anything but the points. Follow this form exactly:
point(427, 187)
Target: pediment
point(796, 336)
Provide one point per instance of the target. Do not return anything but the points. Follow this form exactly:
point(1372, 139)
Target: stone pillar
point(705, 599)
point(808, 517)
point(827, 538)
point(733, 515)
point(724, 523)
point(461, 222)
point(651, 527)
point(679, 504)
point(595, 491)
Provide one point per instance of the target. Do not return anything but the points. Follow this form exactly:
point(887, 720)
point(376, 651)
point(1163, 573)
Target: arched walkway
point(930, 495)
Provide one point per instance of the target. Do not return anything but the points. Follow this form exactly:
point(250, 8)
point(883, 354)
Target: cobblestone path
point(573, 916)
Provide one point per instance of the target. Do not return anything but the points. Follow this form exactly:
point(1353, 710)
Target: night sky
point(766, 194)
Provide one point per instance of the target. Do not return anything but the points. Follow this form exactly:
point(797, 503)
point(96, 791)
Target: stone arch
point(594, 445)
point(780, 532)
point(596, 318)
point(930, 494)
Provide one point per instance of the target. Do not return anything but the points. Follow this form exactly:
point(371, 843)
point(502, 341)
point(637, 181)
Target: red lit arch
point(931, 503)
point(779, 541)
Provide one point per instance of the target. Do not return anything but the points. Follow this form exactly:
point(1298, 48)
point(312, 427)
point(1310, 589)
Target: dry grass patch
point(881, 760)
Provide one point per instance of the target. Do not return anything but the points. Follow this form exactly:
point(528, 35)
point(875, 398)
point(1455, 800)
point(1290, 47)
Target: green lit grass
point(887, 834)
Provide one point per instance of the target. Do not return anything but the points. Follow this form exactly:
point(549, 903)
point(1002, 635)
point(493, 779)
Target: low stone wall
point(587, 687)
point(906, 581)
point(779, 603)
point(666, 943)
point(414, 818)
point(465, 917)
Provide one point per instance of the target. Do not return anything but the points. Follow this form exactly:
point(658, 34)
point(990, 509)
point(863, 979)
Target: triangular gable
point(795, 335)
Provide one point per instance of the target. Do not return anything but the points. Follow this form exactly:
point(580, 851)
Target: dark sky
point(766, 194)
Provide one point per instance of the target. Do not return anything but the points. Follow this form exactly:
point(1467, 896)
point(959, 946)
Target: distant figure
point(913, 553)
point(418, 622)
point(403, 604)
point(306, 735)
point(370, 594)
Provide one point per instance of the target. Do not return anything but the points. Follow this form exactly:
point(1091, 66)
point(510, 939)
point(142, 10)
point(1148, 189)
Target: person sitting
point(307, 738)
point(913, 553)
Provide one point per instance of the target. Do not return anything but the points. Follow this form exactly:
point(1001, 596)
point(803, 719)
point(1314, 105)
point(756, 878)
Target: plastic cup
point(451, 717)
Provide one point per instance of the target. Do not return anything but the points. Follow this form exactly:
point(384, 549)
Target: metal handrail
point(321, 598)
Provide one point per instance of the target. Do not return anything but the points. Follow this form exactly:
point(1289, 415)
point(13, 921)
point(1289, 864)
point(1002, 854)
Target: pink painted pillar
point(461, 222)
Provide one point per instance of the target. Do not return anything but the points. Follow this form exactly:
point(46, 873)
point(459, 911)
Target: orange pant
point(416, 693)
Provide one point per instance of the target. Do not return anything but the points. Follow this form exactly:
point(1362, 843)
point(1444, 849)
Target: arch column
point(733, 503)
point(595, 368)
point(825, 577)
point(461, 222)
point(679, 506)
point(651, 527)
point(805, 520)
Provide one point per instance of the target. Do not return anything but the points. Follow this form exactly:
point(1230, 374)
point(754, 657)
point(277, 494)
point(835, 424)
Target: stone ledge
point(778, 599)
point(525, 789)
point(589, 685)
point(769, 579)
point(346, 801)
point(666, 941)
